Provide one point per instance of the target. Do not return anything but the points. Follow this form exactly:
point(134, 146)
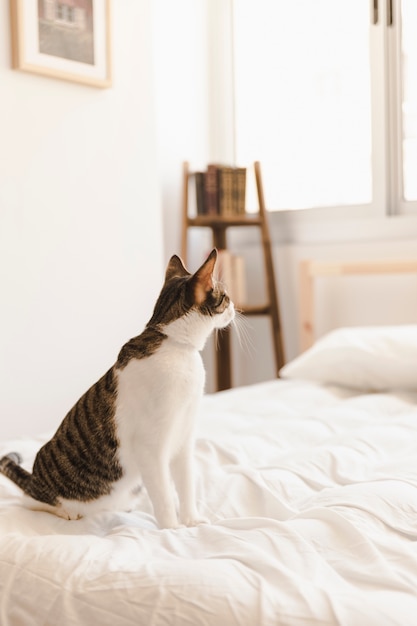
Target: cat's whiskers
point(242, 327)
point(217, 332)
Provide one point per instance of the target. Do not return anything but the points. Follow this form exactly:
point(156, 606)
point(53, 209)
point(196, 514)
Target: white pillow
point(373, 358)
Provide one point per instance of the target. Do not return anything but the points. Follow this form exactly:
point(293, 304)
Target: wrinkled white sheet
point(312, 497)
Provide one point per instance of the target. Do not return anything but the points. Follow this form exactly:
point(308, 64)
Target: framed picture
point(66, 39)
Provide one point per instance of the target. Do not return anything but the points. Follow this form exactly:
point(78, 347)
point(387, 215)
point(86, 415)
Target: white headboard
point(312, 269)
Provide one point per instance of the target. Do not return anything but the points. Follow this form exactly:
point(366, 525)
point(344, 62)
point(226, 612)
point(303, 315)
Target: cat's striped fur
point(113, 438)
point(80, 461)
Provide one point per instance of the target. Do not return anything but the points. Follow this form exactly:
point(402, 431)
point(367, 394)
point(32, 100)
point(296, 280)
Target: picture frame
point(65, 39)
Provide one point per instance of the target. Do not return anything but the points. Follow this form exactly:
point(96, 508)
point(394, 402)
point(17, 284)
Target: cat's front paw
point(68, 515)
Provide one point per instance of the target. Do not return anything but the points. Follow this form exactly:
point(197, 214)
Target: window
point(64, 13)
point(325, 97)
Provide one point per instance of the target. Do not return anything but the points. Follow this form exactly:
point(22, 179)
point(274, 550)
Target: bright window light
point(302, 99)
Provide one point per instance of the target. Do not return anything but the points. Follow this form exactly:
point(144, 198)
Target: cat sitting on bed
point(136, 423)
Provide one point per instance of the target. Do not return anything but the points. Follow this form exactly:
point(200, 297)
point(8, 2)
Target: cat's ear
point(203, 278)
point(175, 268)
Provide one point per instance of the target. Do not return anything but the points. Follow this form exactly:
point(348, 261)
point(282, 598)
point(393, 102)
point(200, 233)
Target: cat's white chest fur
point(156, 406)
point(157, 399)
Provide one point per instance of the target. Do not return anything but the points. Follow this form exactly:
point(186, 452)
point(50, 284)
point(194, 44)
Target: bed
point(309, 482)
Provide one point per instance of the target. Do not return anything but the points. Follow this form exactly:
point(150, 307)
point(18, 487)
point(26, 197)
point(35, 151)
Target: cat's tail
point(10, 467)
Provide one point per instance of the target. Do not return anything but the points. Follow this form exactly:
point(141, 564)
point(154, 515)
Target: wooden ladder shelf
point(219, 225)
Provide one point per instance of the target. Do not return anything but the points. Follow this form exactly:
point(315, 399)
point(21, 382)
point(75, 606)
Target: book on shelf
point(232, 273)
point(239, 280)
point(212, 190)
point(226, 185)
point(200, 192)
point(239, 188)
point(221, 190)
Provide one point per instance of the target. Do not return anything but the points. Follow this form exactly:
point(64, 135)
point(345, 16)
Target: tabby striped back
point(80, 461)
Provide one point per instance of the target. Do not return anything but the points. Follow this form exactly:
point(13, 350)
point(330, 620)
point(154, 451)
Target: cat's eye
point(220, 299)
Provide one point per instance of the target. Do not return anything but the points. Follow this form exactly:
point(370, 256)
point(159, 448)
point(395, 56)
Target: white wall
point(180, 53)
point(81, 256)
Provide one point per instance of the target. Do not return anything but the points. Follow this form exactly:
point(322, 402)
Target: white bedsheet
point(312, 497)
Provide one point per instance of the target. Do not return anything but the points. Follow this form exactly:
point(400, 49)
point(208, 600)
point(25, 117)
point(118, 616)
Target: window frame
point(399, 205)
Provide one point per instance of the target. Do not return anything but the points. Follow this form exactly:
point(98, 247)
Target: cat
point(135, 425)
